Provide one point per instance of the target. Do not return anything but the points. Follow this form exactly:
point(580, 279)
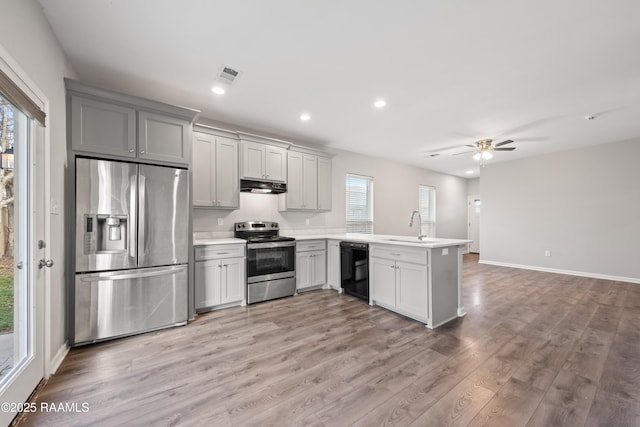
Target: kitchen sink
point(414, 240)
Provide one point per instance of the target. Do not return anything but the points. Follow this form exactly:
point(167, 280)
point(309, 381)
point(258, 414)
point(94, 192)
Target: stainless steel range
point(271, 261)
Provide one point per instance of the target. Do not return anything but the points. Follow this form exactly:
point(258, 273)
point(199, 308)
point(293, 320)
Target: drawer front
point(219, 251)
point(399, 253)
point(310, 245)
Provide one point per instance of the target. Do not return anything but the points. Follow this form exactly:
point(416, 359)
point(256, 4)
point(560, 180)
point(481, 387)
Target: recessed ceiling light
point(469, 172)
point(380, 103)
point(589, 117)
point(218, 90)
point(305, 117)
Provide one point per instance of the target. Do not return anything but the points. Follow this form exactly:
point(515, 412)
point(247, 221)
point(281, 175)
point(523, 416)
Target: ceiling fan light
point(477, 156)
point(486, 155)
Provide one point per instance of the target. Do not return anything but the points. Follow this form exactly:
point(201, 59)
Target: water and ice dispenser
point(105, 233)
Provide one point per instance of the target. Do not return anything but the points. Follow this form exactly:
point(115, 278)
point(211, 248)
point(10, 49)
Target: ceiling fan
point(484, 147)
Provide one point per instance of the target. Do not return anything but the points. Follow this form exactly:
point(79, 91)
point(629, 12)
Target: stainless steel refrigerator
point(131, 242)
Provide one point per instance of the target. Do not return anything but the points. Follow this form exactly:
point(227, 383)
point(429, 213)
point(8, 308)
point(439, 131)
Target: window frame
point(428, 217)
point(360, 225)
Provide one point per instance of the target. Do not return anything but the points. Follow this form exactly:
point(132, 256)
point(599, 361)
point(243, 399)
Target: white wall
point(473, 187)
point(395, 196)
point(26, 36)
point(582, 205)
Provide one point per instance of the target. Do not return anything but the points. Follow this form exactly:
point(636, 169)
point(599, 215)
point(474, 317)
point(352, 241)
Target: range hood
point(264, 187)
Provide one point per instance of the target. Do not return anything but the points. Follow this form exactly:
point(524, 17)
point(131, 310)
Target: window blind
point(17, 97)
point(359, 206)
point(427, 207)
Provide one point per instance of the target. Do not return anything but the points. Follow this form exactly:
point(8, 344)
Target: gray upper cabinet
point(324, 184)
point(215, 172)
point(308, 183)
point(263, 162)
point(115, 124)
point(101, 127)
point(162, 138)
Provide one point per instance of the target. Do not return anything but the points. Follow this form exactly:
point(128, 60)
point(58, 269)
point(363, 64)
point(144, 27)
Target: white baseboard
point(560, 271)
point(55, 363)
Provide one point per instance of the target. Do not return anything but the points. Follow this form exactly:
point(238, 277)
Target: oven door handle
point(270, 245)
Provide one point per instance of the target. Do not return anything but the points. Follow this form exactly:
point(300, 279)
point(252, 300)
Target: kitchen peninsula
point(420, 279)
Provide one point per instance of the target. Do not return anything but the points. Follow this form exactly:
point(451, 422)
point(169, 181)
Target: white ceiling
point(452, 72)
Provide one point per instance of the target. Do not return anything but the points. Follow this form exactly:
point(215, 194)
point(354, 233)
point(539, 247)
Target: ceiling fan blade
point(508, 141)
point(439, 150)
point(504, 149)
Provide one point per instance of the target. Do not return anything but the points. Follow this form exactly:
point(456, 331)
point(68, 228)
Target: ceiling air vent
point(228, 75)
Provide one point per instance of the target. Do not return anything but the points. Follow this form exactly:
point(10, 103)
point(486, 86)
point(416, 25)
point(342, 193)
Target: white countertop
point(354, 237)
point(388, 240)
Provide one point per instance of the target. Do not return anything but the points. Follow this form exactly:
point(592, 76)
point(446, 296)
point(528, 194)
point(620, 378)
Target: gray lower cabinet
point(400, 280)
point(215, 163)
point(311, 265)
point(418, 283)
point(219, 276)
point(401, 286)
point(333, 264)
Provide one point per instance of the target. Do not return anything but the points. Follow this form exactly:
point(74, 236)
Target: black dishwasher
point(354, 269)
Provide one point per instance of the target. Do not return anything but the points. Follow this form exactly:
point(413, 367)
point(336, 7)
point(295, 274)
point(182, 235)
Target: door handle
point(45, 263)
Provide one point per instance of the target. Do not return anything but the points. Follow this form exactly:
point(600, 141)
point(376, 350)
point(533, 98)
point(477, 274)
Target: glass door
point(21, 281)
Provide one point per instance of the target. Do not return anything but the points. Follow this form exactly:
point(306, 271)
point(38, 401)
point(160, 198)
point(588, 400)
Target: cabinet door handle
point(141, 151)
point(132, 150)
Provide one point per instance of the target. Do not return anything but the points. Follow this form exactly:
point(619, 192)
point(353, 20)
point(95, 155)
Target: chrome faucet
point(413, 214)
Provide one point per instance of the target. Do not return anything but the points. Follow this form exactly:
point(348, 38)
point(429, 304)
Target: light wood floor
point(535, 349)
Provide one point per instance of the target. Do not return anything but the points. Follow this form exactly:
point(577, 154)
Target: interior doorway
point(473, 219)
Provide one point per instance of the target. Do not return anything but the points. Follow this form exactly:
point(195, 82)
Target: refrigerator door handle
point(134, 275)
point(142, 225)
point(133, 185)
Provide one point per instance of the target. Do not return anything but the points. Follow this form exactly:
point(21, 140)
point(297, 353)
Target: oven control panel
point(256, 226)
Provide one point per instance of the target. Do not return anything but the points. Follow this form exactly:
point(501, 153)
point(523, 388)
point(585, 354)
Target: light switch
point(445, 251)
point(55, 209)
point(220, 222)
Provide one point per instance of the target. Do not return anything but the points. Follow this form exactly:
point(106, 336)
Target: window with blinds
point(359, 208)
point(427, 207)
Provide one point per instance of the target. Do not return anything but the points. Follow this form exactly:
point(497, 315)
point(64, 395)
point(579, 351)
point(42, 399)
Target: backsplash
point(261, 207)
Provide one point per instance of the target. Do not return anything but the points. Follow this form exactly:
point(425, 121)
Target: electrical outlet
point(445, 251)
point(547, 253)
point(306, 221)
point(220, 222)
